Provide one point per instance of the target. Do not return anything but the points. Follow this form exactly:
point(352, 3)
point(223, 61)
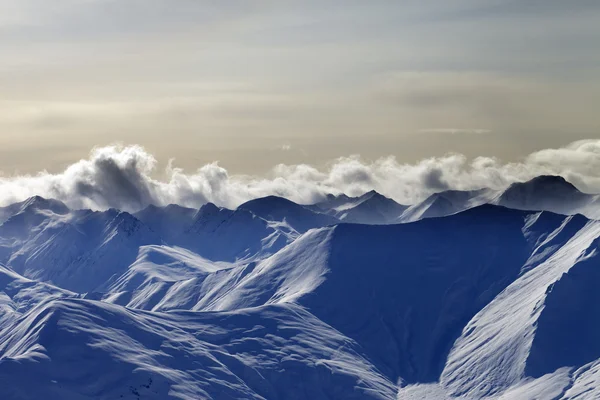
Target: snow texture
point(483, 294)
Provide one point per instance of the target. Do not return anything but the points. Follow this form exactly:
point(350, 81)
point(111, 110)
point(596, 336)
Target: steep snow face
point(405, 292)
point(564, 337)
point(77, 349)
point(493, 352)
point(282, 278)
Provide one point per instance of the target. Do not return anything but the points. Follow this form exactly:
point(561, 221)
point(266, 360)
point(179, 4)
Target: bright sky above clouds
point(252, 84)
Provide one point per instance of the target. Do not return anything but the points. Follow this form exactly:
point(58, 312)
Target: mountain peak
point(279, 209)
point(41, 203)
point(330, 197)
point(209, 213)
point(544, 185)
point(370, 194)
point(172, 207)
point(208, 208)
point(550, 178)
point(549, 181)
point(550, 193)
point(332, 201)
point(374, 195)
point(169, 210)
point(268, 201)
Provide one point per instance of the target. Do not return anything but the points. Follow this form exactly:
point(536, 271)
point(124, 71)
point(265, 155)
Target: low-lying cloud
point(124, 177)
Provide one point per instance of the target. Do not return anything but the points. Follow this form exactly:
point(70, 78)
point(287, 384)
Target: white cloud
point(122, 177)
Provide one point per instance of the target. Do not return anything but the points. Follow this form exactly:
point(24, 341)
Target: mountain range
point(479, 294)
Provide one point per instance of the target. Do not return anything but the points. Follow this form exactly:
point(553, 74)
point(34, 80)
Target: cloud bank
point(124, 177)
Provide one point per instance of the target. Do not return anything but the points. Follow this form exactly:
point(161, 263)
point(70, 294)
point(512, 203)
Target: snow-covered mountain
point(169, 221)
point(275, 300)
point(278, 209)
point(36, 203)
point(543, 193)
point(550, 193)
point(257, 228)
point(220, 234)
point(77, 250)
point(447, 203)
point(371, 208)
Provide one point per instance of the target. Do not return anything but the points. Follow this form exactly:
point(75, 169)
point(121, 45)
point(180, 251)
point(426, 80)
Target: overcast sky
point(255, 83)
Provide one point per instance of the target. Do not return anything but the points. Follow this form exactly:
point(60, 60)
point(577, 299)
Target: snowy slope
point(333, 202)
point(169, 221)
point(549, 193)
point(37, 203)
point(78, 250)
point(220, 234)
point(405, 302)
point(370, 208)
point(153, 279)
point(274, 300)
point(447, 203)
point(87, 251)
point(544, 193)
point(19, 295)
point(381, 287)
point(537, 339)
point(374, 209)
point(217, 233)
point(404, 312)
point(509, 325)
point(79, 349)
point(166, 279)
point(278, 209)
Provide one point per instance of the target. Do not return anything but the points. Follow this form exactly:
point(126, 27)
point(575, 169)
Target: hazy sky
point(256, 83)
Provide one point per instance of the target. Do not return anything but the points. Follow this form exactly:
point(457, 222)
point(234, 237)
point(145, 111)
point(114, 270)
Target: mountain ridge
point(276, 300)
